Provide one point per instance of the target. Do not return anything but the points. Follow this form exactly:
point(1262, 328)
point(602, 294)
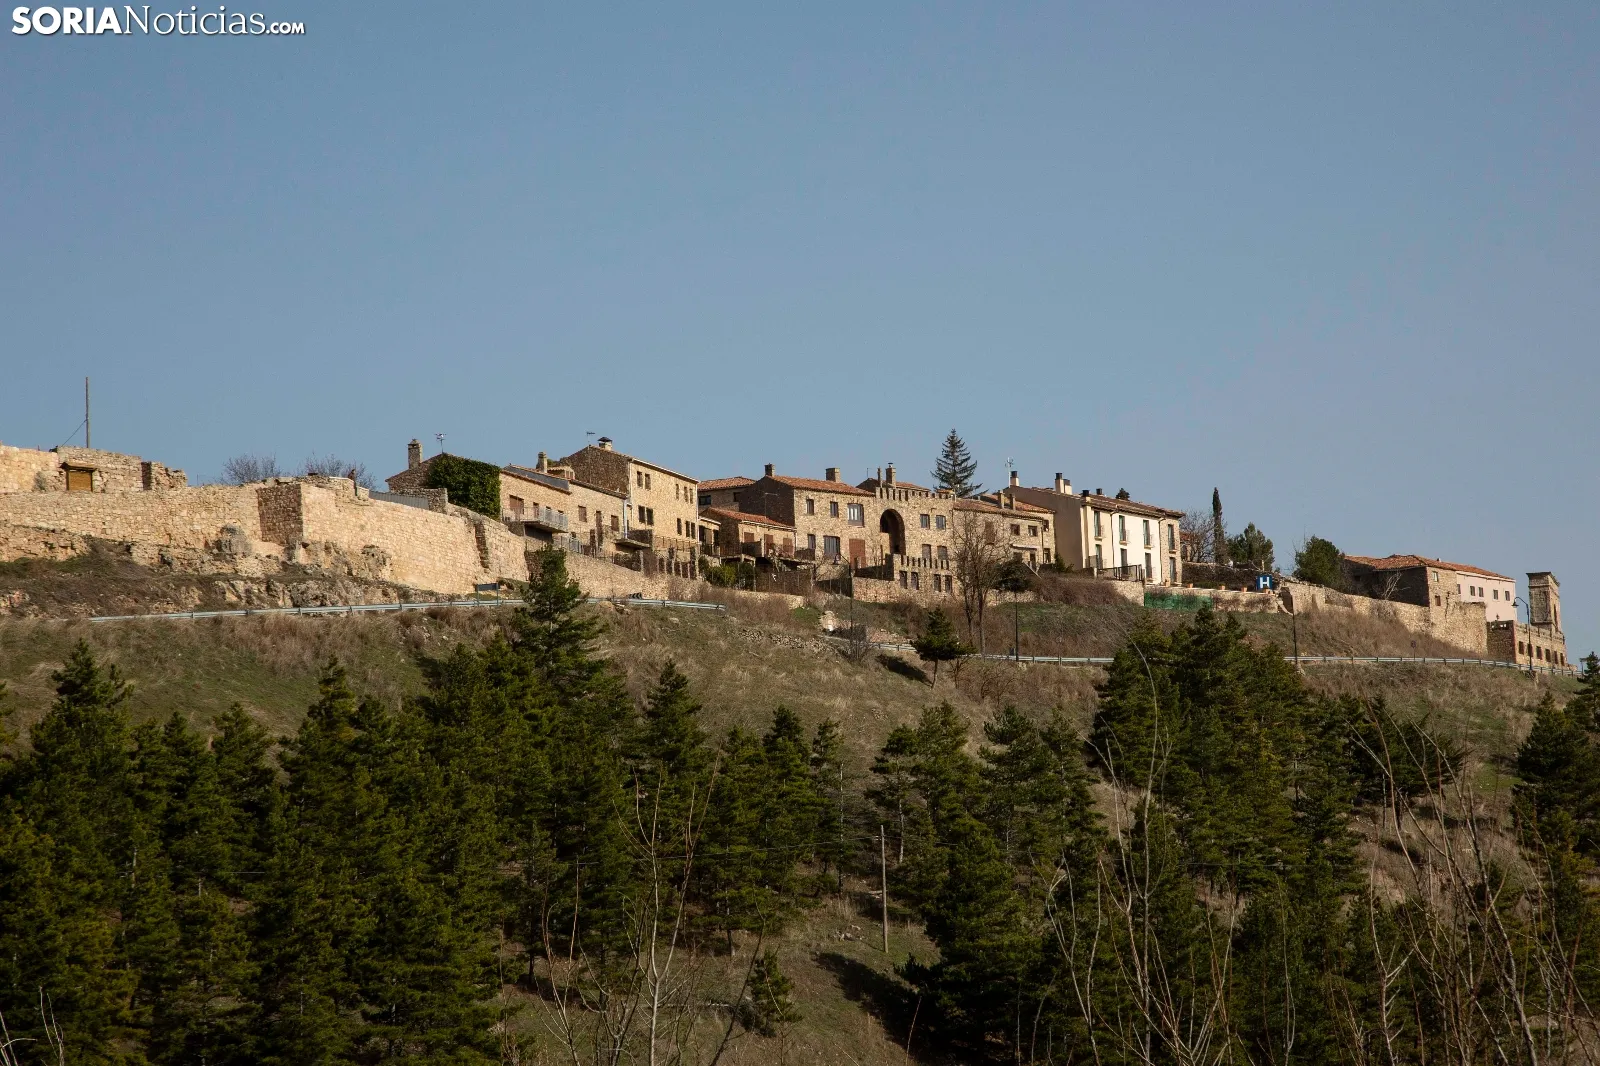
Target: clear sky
point(1340, 263)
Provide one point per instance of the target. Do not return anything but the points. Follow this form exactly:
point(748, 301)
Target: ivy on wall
point(472, 484)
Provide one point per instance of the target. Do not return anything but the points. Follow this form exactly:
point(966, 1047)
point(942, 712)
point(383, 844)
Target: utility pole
point(883, 866)
point(86, 443)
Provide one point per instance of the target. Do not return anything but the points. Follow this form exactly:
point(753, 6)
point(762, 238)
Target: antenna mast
point(86, 443)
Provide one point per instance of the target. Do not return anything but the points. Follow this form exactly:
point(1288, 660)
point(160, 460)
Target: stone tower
point(1544, 600)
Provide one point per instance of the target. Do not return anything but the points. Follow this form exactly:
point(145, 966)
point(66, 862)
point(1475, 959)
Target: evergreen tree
point(1320, 562)
point(939, 642)
point(828, 784)
point(768, 1004)
point(955, 469)
point(1252, 548)
point(1219, 531)
point(1560, 772)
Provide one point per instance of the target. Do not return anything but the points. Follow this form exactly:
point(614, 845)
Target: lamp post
point(1514, 642)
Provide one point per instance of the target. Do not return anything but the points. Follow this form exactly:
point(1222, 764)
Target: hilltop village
point(447, 525)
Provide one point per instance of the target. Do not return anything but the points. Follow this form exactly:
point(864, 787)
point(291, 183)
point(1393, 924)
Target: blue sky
point(1340, 263)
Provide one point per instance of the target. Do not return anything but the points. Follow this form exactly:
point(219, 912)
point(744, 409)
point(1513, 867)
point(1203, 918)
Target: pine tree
point(939, 642)
point(768, 1003)
point(1560, 771)
point(955, 469)
point(828, 784)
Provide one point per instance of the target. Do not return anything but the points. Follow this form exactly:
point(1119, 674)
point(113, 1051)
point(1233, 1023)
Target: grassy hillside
point(743, 664)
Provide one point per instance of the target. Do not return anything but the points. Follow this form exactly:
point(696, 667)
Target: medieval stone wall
point(1463, 624)
point(187, 518)
point(27, 470)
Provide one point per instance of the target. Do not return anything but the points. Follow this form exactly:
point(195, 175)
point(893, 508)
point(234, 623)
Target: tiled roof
point(725, 483)
point(1407, 562)
point(817, 485)
point(872, 484)
point(1111, 503)
point(723, 514)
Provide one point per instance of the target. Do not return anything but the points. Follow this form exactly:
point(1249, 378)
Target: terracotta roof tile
point(1407, 562)
point(723, 514)
point(725, 483)
point(818, 485)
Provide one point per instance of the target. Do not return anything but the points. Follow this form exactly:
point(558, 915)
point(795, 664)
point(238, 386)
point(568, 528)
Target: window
point(1437, 602)
point(857, 515)
point(680, 526)
point(1016, 529)
point(1096, 524)
point(811, 505)
point(1147, 532)
point(1147, 571)
point(647, 516)
point(749, 536)
point(916, 580)
point(80, 480)
point(927, 553)
point(638, 479)
point(1045, 526)
point(1435, 574)
point(1122, 529)
point(647, 480)
point(1458, 588)
point(830, 547)
point(811, 542)
point(1099, 561)
point(903, 582)
point(944, 554)
point(583, 512)
point(615, 524)
point(1033, 531)
point(1172, 539)
point(833, 508)
point(705, 499)
point(1047, 555)
point(516, 506)
point(925, 521)
point(1494, 594)
point(1172, 568)
point(938, 521)
point(1124, 558)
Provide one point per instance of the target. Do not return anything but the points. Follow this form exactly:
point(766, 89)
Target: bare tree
point(977, 553)
point(1197, 530)
point(331, 465)
point(245, 469)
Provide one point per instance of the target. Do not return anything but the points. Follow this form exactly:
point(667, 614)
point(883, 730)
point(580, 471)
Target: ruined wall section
point(28, 470)
point(1463, 624)
point(186, 518)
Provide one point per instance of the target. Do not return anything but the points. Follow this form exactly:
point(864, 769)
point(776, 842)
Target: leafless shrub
point(333, 466)
point(246, 469)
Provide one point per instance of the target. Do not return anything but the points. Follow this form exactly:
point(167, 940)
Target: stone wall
point(27, 470)
point(186, 518)
point(1464, 625)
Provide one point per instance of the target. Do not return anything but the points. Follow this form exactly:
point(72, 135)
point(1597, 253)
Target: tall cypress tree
point(1219, 531)
point(955, 468)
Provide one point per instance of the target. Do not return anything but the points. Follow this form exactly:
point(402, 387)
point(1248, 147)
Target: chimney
point(1063, 486)
point(888, 474)
point(831, 474)
point(880, 475)
point(1015, 480)
point(604, 444)
point(1099, 492)
point(413, 454)
point(769, 469)
point(1086, 492)
point(544, 463)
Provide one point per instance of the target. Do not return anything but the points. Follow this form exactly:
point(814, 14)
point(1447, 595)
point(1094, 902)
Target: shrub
point(1321, 563)
point(471, 484)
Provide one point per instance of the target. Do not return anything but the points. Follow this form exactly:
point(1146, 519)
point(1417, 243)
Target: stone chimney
point(769, 469)
point(1015, 479)
point(1063, 486)
point(604, 444)
point(543, 465)
point(413, 454)
point(888, 474)
point(831, 474)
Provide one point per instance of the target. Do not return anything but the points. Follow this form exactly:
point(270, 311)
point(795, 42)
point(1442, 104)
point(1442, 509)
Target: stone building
point(1540, 642)
point(833, 521)
point(662, 505)
point(740, 534)
point(722, 492)
point(67, 469)
point(1432, 583)
point(1120, 538)
point(543, 502)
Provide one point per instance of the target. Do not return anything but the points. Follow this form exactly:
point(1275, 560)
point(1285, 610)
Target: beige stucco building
point(1100, 533)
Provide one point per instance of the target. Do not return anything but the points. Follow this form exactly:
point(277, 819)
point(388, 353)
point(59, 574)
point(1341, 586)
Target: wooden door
point(80, 480)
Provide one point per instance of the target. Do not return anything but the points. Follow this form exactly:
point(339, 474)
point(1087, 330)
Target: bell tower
point(1544, 600)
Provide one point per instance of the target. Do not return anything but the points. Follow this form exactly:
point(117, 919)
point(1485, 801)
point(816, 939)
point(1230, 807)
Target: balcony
point(545, 518)
point(638, 538)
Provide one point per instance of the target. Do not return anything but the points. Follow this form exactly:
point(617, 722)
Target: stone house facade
point(833, 521)
point(68, 469)
point(661, 505)
point(1432, 583)
point(1100, 533)
point(741, 534)
point(722, 492)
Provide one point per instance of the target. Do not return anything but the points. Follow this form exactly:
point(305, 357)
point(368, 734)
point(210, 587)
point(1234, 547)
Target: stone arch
point(892, 524)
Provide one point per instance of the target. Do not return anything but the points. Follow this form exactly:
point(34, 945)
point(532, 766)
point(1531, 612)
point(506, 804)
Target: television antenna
point(440, 438)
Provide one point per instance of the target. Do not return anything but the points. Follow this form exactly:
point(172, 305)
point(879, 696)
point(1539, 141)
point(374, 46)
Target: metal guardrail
point(367, 608)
